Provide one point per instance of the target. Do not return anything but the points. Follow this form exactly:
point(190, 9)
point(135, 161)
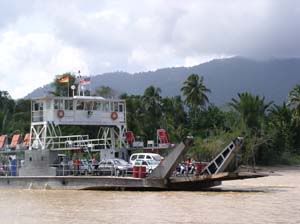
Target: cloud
point(32, 60)
point(39, 39)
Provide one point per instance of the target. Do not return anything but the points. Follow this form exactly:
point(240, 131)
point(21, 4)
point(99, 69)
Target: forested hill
point(225, 77)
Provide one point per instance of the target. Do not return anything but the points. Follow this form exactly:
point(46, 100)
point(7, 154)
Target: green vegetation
point(272, 132)
point(14, 115)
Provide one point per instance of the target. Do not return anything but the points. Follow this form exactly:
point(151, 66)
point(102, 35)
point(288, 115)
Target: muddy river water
point(273, 199)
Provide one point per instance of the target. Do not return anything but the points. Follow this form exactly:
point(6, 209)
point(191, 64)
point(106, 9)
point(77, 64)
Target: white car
point(149, 164)
point(145, 156)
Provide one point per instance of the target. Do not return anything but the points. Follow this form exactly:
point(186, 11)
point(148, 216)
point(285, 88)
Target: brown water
point(274, 199)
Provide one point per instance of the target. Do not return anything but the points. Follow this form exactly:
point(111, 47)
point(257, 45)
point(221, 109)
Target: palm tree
point(152, 100)
point(7, 107)
point(294, 103)
point(195, 91)
point(152, 111)
point(251, 109)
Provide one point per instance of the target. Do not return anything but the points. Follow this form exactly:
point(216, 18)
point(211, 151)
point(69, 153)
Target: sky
point(41, 38)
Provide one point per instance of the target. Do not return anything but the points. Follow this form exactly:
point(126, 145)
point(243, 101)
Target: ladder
point(222, 160)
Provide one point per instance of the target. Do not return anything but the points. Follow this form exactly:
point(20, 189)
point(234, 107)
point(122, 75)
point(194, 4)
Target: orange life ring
point(60, 113)
point(114, 115)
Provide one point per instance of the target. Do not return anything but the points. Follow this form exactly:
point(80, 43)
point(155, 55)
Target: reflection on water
point(274, 199)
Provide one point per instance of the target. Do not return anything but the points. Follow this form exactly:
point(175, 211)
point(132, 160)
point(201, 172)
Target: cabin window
point(48, 105)
point(41, 106)
point(68, 104)
point(105, 106)
point(80, 105)
point(35, 106)
point(58, 104)
point(115, 107)
point(89, 105)
point(121, 105)
point(97, 106)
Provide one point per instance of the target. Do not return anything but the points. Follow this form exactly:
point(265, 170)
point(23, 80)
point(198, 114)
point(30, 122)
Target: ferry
point(38, 161)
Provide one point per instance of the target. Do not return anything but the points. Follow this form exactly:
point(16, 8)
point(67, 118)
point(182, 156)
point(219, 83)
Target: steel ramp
point(222, 160)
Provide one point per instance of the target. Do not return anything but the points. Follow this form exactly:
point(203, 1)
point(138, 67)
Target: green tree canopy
point(294, 103)
point(251, 109)
point(195, 92)
point(7, 108)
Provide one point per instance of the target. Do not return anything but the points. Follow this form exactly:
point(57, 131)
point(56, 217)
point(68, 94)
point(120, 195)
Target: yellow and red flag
point(63, 79)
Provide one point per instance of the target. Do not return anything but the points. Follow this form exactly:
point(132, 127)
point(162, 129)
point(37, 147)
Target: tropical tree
point(210, 121)
point(152, 101)
point(252, 114)
point(174, 117)
point(134, 112)
point(7, 107)
point(152, 112)
point(20, 119)
point(281, 129)
point(294, 103)
point(251, 109)
point(195, 92)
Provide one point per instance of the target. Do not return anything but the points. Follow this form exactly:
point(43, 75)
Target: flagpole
point(90, 86)
point(69, 87)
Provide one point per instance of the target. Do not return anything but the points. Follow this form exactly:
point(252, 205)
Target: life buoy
point(114, 115)
point(60, 113)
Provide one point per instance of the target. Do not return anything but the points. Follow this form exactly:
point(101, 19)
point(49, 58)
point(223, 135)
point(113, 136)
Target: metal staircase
point(222, 160)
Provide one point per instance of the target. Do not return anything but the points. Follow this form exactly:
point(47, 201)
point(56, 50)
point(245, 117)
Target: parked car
point(145, 156)
point(149, 164)
point(114, 167)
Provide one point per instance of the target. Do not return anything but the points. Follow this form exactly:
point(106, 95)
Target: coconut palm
point(7, 106)
point(294, 103)
point(195, 91)
point(251, 109)
point(152, 100)
point(152, 111)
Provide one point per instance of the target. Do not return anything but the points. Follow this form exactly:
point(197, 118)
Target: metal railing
point(66, 170)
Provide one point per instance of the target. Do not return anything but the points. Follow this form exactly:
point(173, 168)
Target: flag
point(85, 81)
point(63, 79)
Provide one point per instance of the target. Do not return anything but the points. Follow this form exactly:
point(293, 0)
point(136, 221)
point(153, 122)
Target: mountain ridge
point(272, 78)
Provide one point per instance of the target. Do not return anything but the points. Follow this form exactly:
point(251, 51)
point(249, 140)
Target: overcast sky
point(39, 39)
